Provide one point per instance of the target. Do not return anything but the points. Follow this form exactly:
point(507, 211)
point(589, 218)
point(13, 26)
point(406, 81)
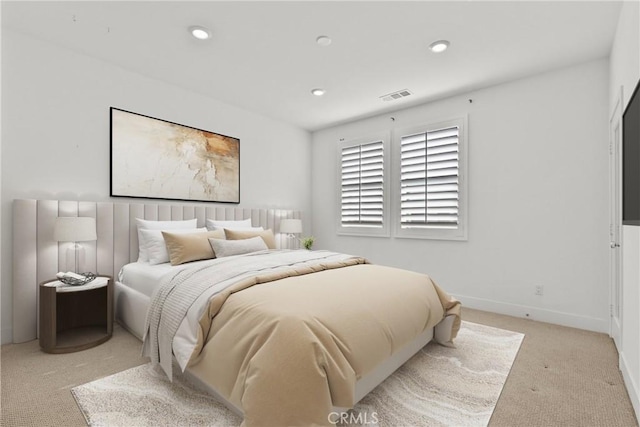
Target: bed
point(298, 334)
point(304, 396)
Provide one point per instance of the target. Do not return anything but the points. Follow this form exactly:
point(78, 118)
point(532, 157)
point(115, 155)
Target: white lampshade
point(75, 229)
point(291, 226)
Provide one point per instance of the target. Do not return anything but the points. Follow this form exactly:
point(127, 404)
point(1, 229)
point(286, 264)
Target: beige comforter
point(286, 350)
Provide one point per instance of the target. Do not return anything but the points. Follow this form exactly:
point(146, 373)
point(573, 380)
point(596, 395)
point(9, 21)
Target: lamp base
point(75, 258)
point(292, 238)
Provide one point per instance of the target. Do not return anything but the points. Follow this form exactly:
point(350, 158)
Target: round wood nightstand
point(74, 318)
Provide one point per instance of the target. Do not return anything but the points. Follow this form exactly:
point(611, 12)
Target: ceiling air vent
point(396, 95)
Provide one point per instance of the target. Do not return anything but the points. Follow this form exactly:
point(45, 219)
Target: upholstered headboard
point(37, 257)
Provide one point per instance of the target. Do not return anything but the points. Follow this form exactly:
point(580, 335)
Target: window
point(430, 199)
point(363, 187)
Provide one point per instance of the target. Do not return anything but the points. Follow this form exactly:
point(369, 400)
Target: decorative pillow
point(223, 248)
point(212, 224)
point(155, 246)
point(159, 225)
point(267, 236)
point(190, 247)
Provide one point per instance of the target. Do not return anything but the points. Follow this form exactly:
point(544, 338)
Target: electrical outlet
point(539, 290)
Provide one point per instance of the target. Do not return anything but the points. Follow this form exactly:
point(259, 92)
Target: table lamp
point(291, 226)
point(75, 229)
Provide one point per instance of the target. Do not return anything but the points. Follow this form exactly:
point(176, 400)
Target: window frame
point(435, 233)
point(385, 229)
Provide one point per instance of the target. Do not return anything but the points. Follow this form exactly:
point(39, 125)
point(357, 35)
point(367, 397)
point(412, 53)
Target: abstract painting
point(157, 159)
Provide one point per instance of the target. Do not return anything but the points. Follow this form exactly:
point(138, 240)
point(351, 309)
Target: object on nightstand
point(307, 242)
point(291, 227)
point(73, 279)
point(75, 229)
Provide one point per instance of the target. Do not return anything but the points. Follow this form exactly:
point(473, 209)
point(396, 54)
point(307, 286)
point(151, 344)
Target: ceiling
point(263, 55)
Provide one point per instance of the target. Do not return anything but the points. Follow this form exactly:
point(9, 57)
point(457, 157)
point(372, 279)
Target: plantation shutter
point(362, 186)
point(429, 175)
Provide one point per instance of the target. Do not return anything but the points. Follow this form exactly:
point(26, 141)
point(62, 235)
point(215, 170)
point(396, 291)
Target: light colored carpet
point(440, 386)
point(562, 377)
point(36, 386)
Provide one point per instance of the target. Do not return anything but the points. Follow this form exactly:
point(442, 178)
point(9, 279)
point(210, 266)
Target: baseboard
point(534, 313)
point(630, 384)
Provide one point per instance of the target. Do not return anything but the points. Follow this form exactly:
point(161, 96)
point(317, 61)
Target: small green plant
point(307, 242)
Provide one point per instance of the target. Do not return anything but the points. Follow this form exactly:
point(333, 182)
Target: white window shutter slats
point(362, 176)
point(429, 174)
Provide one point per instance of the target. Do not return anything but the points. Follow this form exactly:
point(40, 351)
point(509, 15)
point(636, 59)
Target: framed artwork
point(157, 159)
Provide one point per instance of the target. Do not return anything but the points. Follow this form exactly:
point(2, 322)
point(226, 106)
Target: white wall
point(625, 73)
point(55, 134)
point(537, 198)
point(1, 244)
point(625, 54)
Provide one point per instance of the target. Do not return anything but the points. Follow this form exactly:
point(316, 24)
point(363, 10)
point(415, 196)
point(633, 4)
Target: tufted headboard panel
point(37, 257)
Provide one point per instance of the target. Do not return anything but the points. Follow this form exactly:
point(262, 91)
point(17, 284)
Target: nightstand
point(74, 318)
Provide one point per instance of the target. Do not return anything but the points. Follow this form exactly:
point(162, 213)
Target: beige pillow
point(190, 247)
point(155, 246)
point(267, 236)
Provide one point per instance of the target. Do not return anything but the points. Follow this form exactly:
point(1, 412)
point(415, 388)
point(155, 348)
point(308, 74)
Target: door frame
point(615, 222)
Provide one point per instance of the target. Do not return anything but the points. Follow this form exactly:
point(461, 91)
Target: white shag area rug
point(439, 386)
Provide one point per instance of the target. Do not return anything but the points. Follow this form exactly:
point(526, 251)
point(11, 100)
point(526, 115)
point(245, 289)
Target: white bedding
point(144, 277)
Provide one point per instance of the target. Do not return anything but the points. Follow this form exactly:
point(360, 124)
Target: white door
point(615, 215)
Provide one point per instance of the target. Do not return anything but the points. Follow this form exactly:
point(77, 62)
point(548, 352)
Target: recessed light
point(323, 40)
point(201, 33)
point(439, 46)
point(318, 92)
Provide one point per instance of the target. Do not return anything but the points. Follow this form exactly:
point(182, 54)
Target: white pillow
point(155, 246)
point(224, 248)
point(144, 224)
point(212, 224)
